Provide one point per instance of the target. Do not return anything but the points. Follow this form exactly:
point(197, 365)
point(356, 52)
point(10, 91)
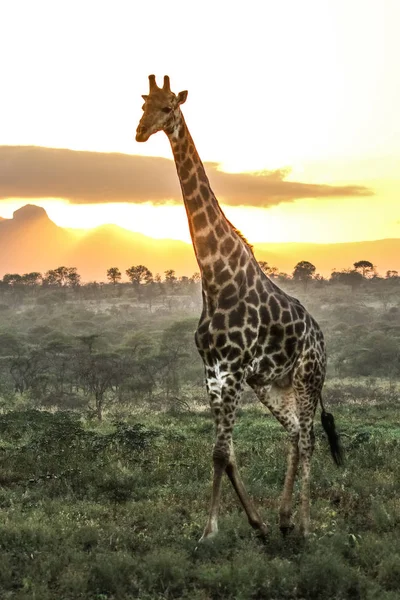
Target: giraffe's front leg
point(214, 391)
point(224, 408)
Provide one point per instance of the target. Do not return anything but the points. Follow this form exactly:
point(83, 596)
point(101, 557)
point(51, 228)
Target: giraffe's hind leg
point(281, 401)
point(306, 448)
point(285, 508)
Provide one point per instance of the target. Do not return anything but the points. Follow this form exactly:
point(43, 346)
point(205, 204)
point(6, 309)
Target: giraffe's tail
point(328, 423)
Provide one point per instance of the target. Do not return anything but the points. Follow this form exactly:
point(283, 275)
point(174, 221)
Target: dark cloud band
point(94, 177)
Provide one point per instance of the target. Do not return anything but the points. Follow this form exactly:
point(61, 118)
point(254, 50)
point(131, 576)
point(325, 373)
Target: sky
point(299, 98)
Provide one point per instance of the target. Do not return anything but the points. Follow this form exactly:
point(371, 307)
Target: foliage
point(365, 267)
point(139, 274)
point(62, 276)
point(115, 511)
point(303, 272)
point(114, 275)
point(353, 278)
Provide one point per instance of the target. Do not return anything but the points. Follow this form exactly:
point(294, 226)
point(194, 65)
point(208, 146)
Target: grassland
point(114, 510)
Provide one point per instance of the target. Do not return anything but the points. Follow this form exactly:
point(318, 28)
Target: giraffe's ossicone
point(250, 331)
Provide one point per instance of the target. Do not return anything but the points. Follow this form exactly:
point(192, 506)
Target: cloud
point(94, 177)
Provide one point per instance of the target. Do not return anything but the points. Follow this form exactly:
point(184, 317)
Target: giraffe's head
point(160, 110)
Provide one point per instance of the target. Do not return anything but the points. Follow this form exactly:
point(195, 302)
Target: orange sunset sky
point(296, 104)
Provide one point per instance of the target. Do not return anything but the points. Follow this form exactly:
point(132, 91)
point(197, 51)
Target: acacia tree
point(12, 279)
point(365, 267)
point(73, 277)
point(114, 275)
point(31, 279)
point(392, 274)
point(98, 374)
point(303, 272)
point(62, 277)
point(139, 274)
point(170, 277)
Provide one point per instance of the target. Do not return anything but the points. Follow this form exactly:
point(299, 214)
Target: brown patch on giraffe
point(212, 214)
point(202, 175)
point(227, 246)
point(237, 315)
point(190, 186)
point(204, 192)
point(236, 337)
point(219, 231)
point(251, 273)
point(200, 221)
point(290, 345)
point(274, 308)
point(252, 317)
point(212, 243)
point(264, 313)
point(223, 277)
point(188, 164)
point(202, 247)
point(218, 321)
point(252, 298)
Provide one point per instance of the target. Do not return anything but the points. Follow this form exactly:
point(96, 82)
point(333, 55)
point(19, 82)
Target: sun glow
point(305, 220)
point(308, 89)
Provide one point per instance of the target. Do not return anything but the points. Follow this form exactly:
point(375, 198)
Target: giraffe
point(250, 331)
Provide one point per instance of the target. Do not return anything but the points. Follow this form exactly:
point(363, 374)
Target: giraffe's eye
point(166, 110)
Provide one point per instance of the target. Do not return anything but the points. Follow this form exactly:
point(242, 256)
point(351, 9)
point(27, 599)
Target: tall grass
point(114, 511)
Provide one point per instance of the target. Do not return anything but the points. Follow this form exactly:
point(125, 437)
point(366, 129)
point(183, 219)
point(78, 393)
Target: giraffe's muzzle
point(142, 134)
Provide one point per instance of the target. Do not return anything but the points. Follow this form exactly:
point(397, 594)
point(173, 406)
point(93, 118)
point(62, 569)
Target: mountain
point(30, 241)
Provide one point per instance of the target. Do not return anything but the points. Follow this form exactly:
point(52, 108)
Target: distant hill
point(30, 241)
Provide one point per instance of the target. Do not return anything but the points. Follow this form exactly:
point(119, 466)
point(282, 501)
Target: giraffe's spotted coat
point(250, 331)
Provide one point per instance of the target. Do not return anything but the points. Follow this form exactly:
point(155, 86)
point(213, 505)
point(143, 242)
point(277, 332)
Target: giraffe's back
point(252, 324)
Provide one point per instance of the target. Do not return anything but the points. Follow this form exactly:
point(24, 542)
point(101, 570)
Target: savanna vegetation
point(106, 436)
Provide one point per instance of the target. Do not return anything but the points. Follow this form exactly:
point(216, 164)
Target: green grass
point(115, 512)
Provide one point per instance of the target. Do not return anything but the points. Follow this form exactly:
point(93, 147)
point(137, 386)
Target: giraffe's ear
point(181, 97)
point(144, 96)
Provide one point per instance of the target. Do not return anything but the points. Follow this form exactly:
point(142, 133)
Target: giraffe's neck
point(216, 242)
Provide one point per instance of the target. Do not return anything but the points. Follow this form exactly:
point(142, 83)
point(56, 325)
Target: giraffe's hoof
point(207, 536)
point(262, 533)
point(286, 529)
point(304, 533)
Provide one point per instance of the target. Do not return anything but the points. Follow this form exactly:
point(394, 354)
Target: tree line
point(139, 275)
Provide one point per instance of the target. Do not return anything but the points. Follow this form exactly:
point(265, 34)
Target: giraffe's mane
point(236, 230)
point(241, 236)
